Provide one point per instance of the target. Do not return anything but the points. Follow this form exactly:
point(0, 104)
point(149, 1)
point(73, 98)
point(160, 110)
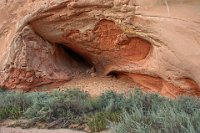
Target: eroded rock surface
point(155, 43)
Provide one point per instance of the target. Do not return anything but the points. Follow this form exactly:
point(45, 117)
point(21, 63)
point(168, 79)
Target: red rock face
point(109, 46)
point(165, 88)
point(29, 80)
point(107, 33)
point(113, 40)
point(49, 43)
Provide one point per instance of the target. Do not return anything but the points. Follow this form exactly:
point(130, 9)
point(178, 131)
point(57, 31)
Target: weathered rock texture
point(154, 42)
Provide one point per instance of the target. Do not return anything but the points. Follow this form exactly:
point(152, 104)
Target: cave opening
point(78, 60)
point(113, 74)
point(122, 76)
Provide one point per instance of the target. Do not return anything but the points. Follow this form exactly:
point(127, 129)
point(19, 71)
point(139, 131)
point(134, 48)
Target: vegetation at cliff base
point(133, 113)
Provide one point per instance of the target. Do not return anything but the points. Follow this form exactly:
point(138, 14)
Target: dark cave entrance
point(77, 61)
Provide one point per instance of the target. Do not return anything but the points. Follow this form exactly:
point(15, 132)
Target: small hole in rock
point(120, 76)
point(113, 74)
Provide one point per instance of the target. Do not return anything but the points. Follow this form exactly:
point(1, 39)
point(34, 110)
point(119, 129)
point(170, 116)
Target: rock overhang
point(114, 36)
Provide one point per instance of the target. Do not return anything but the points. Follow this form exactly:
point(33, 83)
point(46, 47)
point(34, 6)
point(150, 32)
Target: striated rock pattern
point(156, 43)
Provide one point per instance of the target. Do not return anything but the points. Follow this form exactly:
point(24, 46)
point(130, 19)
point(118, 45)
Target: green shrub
point(111, 101)
point(101, 120)
point(68, 107)
point(150, 113)
point(2, 90)
point(133, 113)
point(10, 112)
point(12, 105)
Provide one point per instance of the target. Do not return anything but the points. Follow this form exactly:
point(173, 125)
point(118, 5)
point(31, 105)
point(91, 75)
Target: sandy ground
point(19, 130)
point(97, 85)
point(34, 130)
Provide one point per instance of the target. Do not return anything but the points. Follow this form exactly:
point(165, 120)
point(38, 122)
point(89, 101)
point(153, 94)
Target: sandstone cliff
point(156, 43)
